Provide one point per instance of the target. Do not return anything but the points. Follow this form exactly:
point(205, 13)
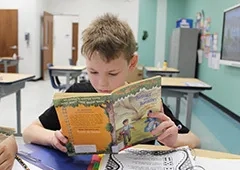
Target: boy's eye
point(113, 74)
point(93, 72)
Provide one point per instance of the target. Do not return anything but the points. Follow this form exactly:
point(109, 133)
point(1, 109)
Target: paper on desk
point(213, 164)
point(133, 158)
point(17, 166)
point(195, 84)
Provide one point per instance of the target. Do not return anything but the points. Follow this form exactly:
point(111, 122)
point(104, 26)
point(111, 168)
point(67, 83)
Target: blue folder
point(48, 158)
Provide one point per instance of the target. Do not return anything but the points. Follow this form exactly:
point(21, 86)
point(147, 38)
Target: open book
point(107, 123)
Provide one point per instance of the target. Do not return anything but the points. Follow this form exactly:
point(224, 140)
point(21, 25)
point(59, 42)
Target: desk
point(153, 71)
point(197, 152)
point(9, 61)
point(67, 71)
point(13, 83)
point(178, 87)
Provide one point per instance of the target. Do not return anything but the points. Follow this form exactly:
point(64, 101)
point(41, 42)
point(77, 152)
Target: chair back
point(55, 82)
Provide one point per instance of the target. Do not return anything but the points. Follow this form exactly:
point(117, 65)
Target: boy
point(8, 150)
point(109, 49)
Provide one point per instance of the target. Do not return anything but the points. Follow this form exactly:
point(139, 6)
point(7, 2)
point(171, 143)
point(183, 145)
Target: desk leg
point(5, 66)
point(68, 80)
point(76, 79)
point(18, 102)
point(178, 103)
point(189, 109)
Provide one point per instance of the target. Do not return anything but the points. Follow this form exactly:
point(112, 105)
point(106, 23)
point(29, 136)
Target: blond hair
point(110, 37)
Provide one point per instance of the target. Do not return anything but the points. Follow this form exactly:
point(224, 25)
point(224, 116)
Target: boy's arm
point(189, 139)
point(36, 133)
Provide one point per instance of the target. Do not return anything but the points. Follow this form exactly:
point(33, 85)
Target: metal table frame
point(15, 87)
point(180, 93)
point(8, 63)
point(68, 73)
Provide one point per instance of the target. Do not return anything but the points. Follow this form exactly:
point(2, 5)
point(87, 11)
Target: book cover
point(107, 123)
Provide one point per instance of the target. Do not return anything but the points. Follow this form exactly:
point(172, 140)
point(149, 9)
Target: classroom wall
point(175, 10)
point(27, 22)
point(41, 6)
point(160, 32)
point(126, 10)
point(62, 38)
point(225, 81)
point(147, 22)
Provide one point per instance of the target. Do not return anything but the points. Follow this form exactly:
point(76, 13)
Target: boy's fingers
point(162, 127)
point(3, 156)
point(167, 133)
point(61, 147)
point(159, 115)
point(4, 164)
point(60, 137)
point(2, 148)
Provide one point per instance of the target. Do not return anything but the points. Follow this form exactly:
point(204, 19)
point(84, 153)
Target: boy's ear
point(133, 62)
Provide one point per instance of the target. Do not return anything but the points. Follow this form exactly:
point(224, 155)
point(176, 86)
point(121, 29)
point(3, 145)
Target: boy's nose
point(103, 82)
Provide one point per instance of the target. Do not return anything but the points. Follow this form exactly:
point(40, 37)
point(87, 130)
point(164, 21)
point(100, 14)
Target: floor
point(37, 96)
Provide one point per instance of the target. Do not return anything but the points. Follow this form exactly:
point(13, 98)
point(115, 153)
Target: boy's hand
point(167, 131)
point(8, 150)
point(58, 141)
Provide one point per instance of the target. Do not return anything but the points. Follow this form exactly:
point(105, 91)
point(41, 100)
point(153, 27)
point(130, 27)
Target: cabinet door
point(174, 49)
point(188, 52)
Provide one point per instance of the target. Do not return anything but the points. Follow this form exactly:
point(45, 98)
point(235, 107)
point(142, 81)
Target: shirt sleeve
point(49, 118)
point(181, 127)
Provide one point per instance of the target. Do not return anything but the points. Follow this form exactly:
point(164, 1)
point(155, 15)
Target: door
point(62, 31)
point(8, 35)
point(74, 43)
point(47, 49)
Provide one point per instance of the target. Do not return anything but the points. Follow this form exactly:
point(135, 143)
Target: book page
point(131, 107)
point(134, 159)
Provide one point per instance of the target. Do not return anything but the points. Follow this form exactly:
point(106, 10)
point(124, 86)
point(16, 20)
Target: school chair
point(83, 77)
point(55, 82)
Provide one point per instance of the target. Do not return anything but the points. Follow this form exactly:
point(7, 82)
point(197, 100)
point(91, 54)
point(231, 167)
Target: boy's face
point(106, 77)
